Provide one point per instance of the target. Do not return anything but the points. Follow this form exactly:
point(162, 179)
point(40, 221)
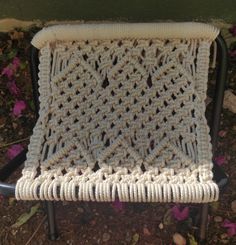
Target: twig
point(36, 230)
point(14, 142)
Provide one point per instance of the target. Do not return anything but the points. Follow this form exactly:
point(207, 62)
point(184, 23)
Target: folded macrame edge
point(73, 32)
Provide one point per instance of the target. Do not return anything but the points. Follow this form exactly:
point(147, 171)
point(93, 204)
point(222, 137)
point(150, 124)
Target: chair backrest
point(141, 87)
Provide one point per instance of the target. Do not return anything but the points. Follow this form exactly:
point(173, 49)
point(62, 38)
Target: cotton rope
point(122, 115)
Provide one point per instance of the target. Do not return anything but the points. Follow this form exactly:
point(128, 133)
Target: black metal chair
point(220, 177)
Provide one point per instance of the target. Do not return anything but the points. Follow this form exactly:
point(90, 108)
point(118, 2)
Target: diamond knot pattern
point(123, 117)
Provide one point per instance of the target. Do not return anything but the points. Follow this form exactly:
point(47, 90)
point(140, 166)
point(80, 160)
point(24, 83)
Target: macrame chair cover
point(122, 115)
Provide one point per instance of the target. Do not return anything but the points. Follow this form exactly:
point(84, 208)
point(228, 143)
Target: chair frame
point(220, 177)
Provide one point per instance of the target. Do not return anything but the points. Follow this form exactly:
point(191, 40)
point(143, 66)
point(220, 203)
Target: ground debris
point(146, 232)
point(218, 219)
point(233, 206)
point(135, 239)
point(106, 237)
point(26, 216)
point(230, 101)
point(178, 239)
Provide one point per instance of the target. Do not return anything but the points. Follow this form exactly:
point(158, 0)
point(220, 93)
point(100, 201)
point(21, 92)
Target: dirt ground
point(100, 223)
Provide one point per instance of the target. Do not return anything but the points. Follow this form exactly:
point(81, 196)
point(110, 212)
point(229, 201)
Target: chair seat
point(122, 115)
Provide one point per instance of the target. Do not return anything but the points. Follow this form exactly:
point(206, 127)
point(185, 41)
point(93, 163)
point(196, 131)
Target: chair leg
point(203, 224)
point(52, 229)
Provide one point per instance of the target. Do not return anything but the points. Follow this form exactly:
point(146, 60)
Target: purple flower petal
point(232, 53)
point(14, 90)
point(180, 214)
point(231, 227)
point(220, 160)
point(16, 63)
point(14, 150)
point(11, 68)
point(222, 133)
point(8, 72)
point(19, 106)
point(232, 30)
point(1, 198)
point(118, 206)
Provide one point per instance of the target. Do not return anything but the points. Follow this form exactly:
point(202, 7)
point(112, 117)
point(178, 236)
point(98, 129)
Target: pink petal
point(231, 227)
point(19, 106)
point(222, 133)
point(1, 198)
point(226, 223)
point(14, 150)
point(179, 214)
point(231, 231)
point(7, 71)
point(232, 53)
point(220, 160)
point(118, 206)
point(16, 63)
point(232, 30)
point(14, 90)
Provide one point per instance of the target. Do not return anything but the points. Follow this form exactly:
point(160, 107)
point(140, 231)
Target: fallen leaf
point(178, 239)
point(218, 219)
point(192, 240)
point(26, 216)
point(230, 101)
point(161, 226)
point(106, 237)
point(167, 219)
point(135, 239)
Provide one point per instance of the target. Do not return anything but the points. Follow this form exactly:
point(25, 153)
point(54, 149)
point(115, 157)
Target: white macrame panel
point(121, 118)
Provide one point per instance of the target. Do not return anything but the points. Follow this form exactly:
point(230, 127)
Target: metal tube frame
point(219, 176)
point(5, 172)
point(221, 83)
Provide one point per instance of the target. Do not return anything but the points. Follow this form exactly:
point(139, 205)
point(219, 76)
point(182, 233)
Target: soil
point(100, 223)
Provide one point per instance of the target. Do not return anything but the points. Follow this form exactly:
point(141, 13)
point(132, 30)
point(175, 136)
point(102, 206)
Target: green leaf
point(23, 65)
point(192, 240)
point(168, 219)
point(31, 104)
point(26, 216)
point(12, 54)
